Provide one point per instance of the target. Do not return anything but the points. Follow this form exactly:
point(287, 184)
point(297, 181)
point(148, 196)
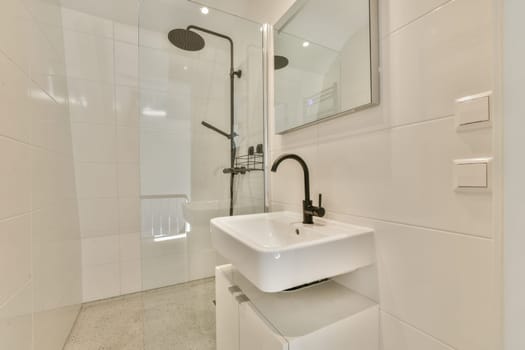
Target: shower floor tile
point(172, 318)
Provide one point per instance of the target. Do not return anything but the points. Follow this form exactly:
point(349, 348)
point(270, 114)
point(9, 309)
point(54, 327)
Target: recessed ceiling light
point(306, 44)
point(185, 67)
point(205, 10)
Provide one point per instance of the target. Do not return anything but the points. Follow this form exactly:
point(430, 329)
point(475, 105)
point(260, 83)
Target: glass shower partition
point(185, 165)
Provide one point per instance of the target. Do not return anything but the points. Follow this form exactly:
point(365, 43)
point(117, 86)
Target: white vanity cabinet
point(239, 324)
point(227, 309)
point(255, 333)
point(323, 316)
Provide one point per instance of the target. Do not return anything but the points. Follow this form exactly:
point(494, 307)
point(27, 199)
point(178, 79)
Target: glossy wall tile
point(102, 72)
point(391, 167)
point(40, 284)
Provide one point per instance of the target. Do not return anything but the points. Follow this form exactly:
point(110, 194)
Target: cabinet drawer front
point(255, 333)
point(227, 310)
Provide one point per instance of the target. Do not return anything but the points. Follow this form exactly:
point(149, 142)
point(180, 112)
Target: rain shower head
point(186, 39)
point(279, 62)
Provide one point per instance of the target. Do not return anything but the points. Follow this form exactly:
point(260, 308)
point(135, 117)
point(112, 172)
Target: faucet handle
point(320, 211)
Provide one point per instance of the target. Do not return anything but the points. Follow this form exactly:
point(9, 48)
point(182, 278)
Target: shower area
point(167, 105)
point(201, 133)
point(201, 156)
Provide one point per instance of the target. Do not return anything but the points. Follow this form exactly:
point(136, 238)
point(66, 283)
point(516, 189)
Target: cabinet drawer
point(227, 310)
point(255, 333)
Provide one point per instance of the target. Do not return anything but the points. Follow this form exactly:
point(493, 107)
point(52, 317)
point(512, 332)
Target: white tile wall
point(16, 19)
point(100, 250)
point(102, 70)
point(126, 33)
point(96, 180)
point(16, 321)
point(398, 335)
point(89, 57)
point(129, 215)
point(128, 180)
point(98, 216)
point(40, 284)
point(85, 23)
point(438, 58)
point(126, 63)
point(128, 144)
point(15, 250)
point(13, 101)
point(441, 282)
point(100, 281)
point(127, 106)
point(164, 270)
point(400, 13)
point(386, 165)
point(130, 247)
point(91, 102)
point(391, 168)
point(15, 187)
point(94, 143)
point(130, 276)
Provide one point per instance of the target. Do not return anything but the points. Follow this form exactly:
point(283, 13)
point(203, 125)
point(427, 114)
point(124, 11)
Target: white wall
point(102, 73)
point(40, 269)
point(514, 80)
point(390, 168)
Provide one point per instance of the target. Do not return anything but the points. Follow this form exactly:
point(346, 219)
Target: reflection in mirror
point(326, 61)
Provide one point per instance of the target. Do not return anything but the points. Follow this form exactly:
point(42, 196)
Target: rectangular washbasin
point(275, 251)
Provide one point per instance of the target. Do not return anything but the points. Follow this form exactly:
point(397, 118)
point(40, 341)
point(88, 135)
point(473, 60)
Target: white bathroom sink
point(275, 251)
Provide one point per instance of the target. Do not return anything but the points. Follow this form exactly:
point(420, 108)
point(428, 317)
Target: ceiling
point(164, 15)
point(127, 11)
point(260, 11)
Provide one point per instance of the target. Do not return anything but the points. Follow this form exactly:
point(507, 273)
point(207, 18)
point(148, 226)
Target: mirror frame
point(374, 62)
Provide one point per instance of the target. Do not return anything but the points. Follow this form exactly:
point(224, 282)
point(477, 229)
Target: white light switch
point(472, 175)
point(473, 110)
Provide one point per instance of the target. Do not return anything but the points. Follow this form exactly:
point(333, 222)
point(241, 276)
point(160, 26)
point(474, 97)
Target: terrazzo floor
point(180, 317)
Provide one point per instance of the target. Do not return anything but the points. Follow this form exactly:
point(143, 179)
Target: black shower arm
point(220, 36)
point(217, 130)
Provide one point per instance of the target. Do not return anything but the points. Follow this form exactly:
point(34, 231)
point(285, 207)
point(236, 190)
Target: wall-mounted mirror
point(326, 61)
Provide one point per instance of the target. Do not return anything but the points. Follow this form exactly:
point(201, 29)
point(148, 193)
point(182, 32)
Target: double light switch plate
point(473, 112)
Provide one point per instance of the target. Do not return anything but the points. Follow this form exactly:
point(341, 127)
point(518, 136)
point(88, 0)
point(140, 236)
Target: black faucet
point(309, 211)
